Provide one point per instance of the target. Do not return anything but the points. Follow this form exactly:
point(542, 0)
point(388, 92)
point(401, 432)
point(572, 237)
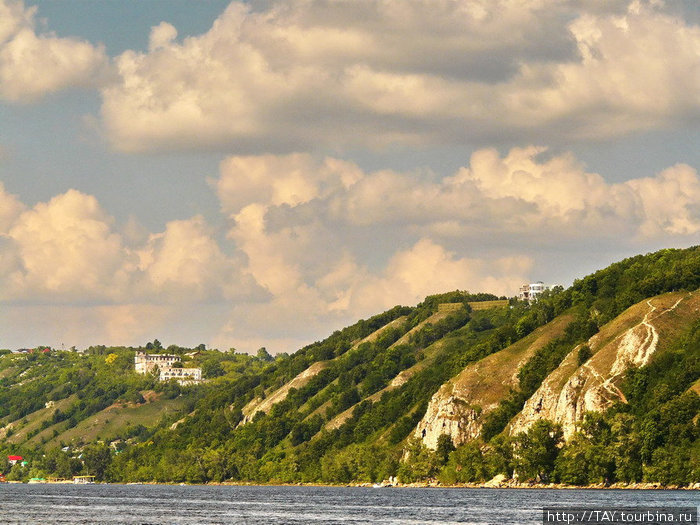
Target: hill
point(596, 383)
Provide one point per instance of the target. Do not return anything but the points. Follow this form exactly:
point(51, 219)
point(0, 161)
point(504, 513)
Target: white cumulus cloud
point(292, 75)
point(185, 262)
point(33, 64)
point(69, 250)
point(10, 208)
point(316, 243)
point(64, 248)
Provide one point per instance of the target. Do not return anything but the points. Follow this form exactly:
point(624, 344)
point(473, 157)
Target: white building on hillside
point(529, 292)
point(182, 375)
point(145, 363)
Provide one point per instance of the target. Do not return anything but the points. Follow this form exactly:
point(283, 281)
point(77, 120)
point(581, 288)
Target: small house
point(13, 460)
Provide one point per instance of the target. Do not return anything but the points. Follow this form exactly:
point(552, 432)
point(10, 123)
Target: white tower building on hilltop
point(529, 292)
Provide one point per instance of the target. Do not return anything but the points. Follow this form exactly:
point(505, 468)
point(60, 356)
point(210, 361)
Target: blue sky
point(263, 173)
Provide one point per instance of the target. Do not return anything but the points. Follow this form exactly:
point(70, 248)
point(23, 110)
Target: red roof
point(14, 458)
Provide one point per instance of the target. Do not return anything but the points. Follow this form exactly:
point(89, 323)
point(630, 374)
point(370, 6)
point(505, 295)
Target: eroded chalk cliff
point(630, 340)
point(459, 407)
point(572, 389)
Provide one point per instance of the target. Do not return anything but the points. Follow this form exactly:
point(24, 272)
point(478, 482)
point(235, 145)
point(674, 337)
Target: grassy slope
point(429, 355)
point(696, 387)
point(111, 422)
point(488, 381)
point(274, 396)
point(35, 419)
point(106, 424)
point(461, 404)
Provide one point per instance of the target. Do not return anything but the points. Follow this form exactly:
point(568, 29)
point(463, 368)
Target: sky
point(262, 173)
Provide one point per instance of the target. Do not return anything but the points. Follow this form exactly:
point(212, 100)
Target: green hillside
point(394, 395)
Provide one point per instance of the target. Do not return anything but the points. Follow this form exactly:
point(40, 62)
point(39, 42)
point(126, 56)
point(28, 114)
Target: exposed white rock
point(592, 386)
point(451, 415)
point(580, 393)
point(498, 480)
point(459, 406)
point(400, 379)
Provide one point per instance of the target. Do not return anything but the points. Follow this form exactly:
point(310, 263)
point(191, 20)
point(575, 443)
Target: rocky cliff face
point(630, 340)
point(458, 408)
point(451, 415)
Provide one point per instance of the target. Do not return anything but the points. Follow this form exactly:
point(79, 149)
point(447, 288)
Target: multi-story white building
point(145, 363)
point(182, 375)
point(529, 292)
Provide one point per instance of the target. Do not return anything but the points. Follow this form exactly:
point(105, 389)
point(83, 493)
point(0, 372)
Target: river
point(168, 504)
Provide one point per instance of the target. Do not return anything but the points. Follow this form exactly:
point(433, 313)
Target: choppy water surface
point(161, 504)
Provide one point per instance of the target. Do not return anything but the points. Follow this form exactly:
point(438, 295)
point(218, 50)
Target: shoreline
point(485, 485)
point(432, 485)
point(422, 485)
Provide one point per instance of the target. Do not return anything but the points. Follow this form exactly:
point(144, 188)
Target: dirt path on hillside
point(633, 348)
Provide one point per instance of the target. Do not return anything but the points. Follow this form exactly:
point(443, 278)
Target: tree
point(626, 446)
point(673, 465)
point(466, 464)
point(212, 368)
point(17, 473)
point(499, 456)
point(584, 461)
point(59, 464)
point(357, 462)
point(444, 447)
point(263, 355)
point(584, 354)
point(421, 463)
point(96, 459)
point(536, 451)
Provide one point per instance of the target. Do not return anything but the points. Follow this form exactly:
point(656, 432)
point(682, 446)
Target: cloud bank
point(298, 75)
point(314, 243)
point(308, 241)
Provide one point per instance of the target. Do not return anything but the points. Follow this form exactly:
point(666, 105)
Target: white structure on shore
point(529, 292)
point(145, 363)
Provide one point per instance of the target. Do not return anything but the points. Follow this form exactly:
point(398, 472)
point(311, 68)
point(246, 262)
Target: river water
point(167, 504)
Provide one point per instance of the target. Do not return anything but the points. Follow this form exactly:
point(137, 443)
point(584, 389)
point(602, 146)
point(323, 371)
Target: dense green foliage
point(354, 418)
point(610, 291)
point(293, 442)
point(45, 395)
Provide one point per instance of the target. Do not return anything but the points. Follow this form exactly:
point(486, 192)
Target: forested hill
point(598, 383)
